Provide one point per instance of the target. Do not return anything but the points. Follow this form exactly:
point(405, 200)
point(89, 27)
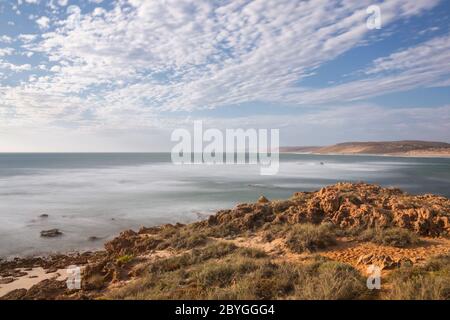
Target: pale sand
point(25, 282)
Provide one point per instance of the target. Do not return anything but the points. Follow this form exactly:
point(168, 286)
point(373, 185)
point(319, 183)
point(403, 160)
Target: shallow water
point(101, 194)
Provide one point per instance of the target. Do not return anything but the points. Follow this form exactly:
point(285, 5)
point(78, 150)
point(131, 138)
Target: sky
point(99, 75)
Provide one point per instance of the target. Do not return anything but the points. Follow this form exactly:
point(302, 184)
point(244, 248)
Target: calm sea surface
point(101, 194)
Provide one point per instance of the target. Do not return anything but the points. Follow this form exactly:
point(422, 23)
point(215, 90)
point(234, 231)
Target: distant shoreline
point(404, 148)
point(446, 156)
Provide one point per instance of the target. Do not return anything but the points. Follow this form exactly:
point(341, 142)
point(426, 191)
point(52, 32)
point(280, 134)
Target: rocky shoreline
point(347, 210)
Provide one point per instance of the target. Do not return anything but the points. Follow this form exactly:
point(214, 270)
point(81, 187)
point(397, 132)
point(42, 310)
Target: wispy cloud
point(125, 63)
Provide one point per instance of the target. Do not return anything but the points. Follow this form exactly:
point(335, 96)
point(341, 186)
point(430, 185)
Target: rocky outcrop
point(347, 205)
point(58, 261)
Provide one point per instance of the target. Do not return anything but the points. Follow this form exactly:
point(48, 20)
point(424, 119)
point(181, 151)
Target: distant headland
point(413, 148)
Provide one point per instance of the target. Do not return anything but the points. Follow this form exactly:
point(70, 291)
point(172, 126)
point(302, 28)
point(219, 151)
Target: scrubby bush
point(396, 237)
point(273, 231)
point(224, 230)
point(252, 253)
point(183, 239)
point(123, 260)
point(219, 275)
point(94, 282)
point(216, 250)
point(428, 282)
point(331, 280)
point(236, 277)
point(309, 237)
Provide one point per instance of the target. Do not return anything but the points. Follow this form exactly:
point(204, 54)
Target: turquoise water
point(101, 194)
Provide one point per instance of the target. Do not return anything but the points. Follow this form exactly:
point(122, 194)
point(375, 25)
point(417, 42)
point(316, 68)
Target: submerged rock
point(51, 233)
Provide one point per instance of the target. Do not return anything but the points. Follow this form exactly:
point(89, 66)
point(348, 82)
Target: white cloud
point(122, 66)
point(6, 51)
point(43, 22)
point(14, 67)
point(63, 3)
point(55, 68)
point(5, 38)
point(425, 65)
point(27, 37)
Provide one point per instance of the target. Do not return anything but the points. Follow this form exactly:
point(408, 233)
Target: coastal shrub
point(94, 282)
point(420, 287)
point(123, 260)
point(188, 241)
point(216, 250)
point(309, 237)
point(171, 263)
point(252, 253)
point(213, 274)
point(273, 280)
point(396, 237)
point(225, 230)
point(331, 280)
point(236, 277)
point(440, 263)
point(349, 231)
point(428, 282)
point(274, 231)
point(183, 238)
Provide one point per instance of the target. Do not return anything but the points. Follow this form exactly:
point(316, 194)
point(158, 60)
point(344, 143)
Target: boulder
point(51, 233)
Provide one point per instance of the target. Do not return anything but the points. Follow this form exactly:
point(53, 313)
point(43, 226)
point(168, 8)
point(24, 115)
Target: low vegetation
point(396, 237)
point(243, 274)
point(309, 237)
point(182, 238)
point(122, 260)
point(428, 282)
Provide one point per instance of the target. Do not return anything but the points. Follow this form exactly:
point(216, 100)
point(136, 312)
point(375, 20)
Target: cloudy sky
point(99, 75)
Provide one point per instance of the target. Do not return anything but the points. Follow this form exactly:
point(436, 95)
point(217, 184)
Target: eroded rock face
point(348, 205)
point(130, 242)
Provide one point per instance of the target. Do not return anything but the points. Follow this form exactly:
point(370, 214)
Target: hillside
point(314, 245)
point(401, 148)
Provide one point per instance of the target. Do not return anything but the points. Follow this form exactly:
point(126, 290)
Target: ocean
point(88, 194)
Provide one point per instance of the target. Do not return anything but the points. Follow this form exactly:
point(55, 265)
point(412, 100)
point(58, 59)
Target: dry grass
point(396, 237)
point(428, 282)
point(309, 237)
point(223, 271)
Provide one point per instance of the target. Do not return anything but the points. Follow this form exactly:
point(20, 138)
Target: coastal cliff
point(314, 245)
